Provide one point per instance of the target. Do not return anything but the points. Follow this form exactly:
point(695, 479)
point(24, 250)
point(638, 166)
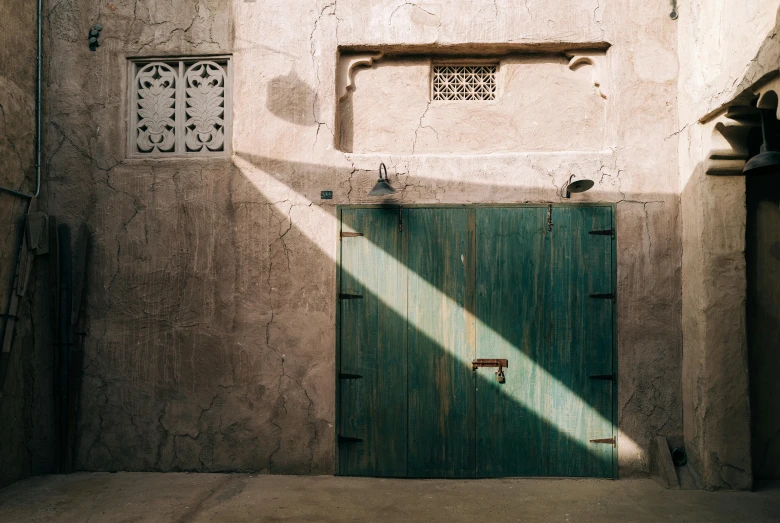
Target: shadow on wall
point(291, 99)
point(217, 350)
point(518, 431)
point(271, 186)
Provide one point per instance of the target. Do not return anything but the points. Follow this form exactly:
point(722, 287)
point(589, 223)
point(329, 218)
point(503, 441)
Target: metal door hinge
point(605, 232)
point(604, 377)
point(607, 296)
point(347, 234)
point(343, 296)
point(610, 441)
point(347, 439)
point(347, 376)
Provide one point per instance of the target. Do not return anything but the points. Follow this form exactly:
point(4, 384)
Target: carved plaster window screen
point(464, 82)
point(180, 107)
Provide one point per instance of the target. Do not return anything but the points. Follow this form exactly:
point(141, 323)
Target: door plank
point(441, 386)
point(373, 345)
point(512, 245)
point(580, 337)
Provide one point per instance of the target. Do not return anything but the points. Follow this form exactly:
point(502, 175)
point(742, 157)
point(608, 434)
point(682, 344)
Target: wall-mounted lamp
point(766, 161)
point(578, 186)
point(382, 186)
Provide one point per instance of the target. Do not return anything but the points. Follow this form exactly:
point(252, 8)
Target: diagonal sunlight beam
point(282, 197)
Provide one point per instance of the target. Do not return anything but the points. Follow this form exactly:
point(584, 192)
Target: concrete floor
point(124, 497)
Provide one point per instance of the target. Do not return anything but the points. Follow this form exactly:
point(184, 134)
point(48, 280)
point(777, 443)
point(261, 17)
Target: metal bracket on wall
point(610, 441)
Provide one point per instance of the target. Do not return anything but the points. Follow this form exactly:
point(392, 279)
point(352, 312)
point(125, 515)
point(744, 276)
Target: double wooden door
point(425, 292)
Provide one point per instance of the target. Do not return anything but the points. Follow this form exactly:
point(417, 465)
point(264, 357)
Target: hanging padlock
point(500, 375)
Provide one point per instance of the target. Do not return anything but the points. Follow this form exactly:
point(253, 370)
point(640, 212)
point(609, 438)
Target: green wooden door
point(457, 284)
point(535, 309)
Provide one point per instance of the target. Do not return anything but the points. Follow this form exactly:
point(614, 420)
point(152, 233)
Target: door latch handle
point(492, 362)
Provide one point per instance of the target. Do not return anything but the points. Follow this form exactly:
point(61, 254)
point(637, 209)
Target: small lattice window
point(179, 106)
point(464, 82)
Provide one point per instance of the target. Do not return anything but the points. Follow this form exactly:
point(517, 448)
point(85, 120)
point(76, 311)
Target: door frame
point(615, 366)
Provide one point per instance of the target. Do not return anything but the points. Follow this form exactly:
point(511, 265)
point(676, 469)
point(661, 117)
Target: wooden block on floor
point(661, 466)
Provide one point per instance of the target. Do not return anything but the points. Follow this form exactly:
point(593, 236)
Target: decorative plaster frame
point(134, 62)
point(768, 95)
point(728, 146)
point(596, 59)
point(345, 77)
point(728, 142)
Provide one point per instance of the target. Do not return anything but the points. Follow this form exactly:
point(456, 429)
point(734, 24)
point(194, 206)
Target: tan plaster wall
point(391, 111)
point(725, 47)
point(212, 305)
point(25, 408)
point(719, 40)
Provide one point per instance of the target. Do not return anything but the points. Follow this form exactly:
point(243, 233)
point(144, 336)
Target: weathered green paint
point(461, 283)
point(441, 384)
point(512, 290)
point(373, 345)
point(579, 330)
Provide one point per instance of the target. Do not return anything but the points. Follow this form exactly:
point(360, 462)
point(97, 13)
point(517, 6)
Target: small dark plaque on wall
point(326, 195)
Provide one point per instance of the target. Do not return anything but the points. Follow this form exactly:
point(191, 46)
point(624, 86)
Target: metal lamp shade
point(763, 163)
point(766, 161)
point(578, 186)
point(382, 188)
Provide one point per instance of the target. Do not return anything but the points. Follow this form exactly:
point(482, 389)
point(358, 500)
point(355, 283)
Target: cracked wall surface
point(724, 49)
point(26, 432)
point(211, 306)
point(390, 110)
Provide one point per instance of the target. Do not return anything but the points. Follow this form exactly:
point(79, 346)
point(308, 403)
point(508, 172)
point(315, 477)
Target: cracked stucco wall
point(26, 435)
point(724, 49)
point(211, 303)
point(391, 110)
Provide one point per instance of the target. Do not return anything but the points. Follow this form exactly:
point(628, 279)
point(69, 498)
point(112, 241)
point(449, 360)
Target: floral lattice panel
point(179, 107)
point(464, 82)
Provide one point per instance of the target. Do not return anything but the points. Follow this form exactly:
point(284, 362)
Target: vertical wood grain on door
point(579, 408)
point(534, 308)
point(458, 284)
point(441, 344)
point(512, 439)
point(372, 408)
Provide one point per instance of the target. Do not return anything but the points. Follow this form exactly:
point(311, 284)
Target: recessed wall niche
point(513, 102)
